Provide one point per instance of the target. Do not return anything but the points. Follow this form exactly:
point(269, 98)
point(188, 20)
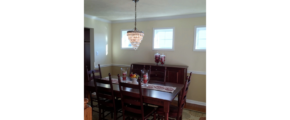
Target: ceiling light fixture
point(135, 36)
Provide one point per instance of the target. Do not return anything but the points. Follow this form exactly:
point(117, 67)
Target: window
point(125, 43)
point(163, 39)
point(200, 38)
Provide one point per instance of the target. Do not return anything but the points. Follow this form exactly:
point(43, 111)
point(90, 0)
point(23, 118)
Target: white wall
point(183, 53)
point(102, 38)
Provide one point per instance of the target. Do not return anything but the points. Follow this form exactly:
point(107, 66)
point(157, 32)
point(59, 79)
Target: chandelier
point(135, 36)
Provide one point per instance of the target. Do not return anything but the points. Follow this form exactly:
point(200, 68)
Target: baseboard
point(193, 102)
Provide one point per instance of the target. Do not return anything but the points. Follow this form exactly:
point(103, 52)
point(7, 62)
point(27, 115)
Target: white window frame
point(173, 36)
point(122, 41)
point(195, 28)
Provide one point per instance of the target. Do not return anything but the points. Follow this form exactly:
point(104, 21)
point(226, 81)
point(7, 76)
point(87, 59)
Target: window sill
point(199, 50)
point(163, 49)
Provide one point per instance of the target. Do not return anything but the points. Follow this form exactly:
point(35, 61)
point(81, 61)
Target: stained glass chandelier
point(135, 36)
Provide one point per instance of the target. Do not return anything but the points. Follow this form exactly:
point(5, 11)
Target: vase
point(134, 81)
point(145, 77)
point(157, 57)
point(162, 59)
point(124, 73)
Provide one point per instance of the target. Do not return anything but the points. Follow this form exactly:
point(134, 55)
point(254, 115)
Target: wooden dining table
point(150, 96)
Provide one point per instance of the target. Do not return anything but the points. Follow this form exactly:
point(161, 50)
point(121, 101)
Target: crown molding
point(147, 19)
point(96, 18)
point(162, 18)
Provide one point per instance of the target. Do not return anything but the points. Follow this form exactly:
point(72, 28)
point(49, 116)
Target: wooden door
point(87, 58)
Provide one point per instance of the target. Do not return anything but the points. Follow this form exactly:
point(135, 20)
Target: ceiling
point(125, 9)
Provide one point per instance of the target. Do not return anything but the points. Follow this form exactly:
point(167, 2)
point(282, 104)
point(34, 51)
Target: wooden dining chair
point(188, 82)
point(96, 72)
point(176, 111)
point(106, 98)
point(132, 101)
point(91, 74)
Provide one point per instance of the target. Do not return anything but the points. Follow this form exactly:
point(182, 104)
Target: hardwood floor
point(192, 107)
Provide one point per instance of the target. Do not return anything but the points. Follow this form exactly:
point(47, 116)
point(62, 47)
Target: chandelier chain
point(135, 14)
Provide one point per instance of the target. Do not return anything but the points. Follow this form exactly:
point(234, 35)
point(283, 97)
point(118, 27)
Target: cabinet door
point(135, 68)
point(157, 73)
point(175, 75)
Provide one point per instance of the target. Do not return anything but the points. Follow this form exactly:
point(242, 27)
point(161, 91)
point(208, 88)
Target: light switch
point(97, 53)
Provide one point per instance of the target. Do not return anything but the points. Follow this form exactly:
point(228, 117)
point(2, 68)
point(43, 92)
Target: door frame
point(92, 42)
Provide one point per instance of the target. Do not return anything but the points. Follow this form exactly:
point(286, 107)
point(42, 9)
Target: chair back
point(132, 100)
point(90, 73)
point(104, 94)
point(182, 102)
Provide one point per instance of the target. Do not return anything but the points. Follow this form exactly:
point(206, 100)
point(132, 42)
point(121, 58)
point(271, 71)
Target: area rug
point(186, 115)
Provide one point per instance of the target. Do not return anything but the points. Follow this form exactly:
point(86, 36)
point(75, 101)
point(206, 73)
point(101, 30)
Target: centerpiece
point(134, 78)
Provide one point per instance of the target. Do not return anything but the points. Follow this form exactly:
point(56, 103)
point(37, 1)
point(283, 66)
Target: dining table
point(150, 96)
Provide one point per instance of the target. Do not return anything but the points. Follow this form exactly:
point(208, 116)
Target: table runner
point(150, 86)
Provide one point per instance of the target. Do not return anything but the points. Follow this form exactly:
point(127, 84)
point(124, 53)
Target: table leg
point(166, 109)
point(179, 98)
point(178, 104)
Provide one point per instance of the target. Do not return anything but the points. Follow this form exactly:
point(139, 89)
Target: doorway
point(87, 51)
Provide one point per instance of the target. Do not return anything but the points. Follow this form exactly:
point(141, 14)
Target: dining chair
point(91, 74)
point(188, 83)
point(132, 101)
point(176, 111)
point(106, 98)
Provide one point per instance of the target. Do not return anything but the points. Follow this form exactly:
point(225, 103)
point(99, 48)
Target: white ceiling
point(125, 9)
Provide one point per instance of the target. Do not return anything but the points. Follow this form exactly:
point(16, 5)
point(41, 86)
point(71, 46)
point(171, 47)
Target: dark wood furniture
point(136, 70)
point(132, 103)
point(157, 74)
point(154, 97)
point(106, 98)
point(176, 111)
point(91, 74)
point(189, 78)
point(173, 73)
point(87, 110)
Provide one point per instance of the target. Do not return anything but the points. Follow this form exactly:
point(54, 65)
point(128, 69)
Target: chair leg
point(100, 114)
point(154, 116)
point(111, 114)
point(91, 100)
point(115, 114)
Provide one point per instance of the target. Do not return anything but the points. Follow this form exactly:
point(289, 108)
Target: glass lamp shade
point(135, 38)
